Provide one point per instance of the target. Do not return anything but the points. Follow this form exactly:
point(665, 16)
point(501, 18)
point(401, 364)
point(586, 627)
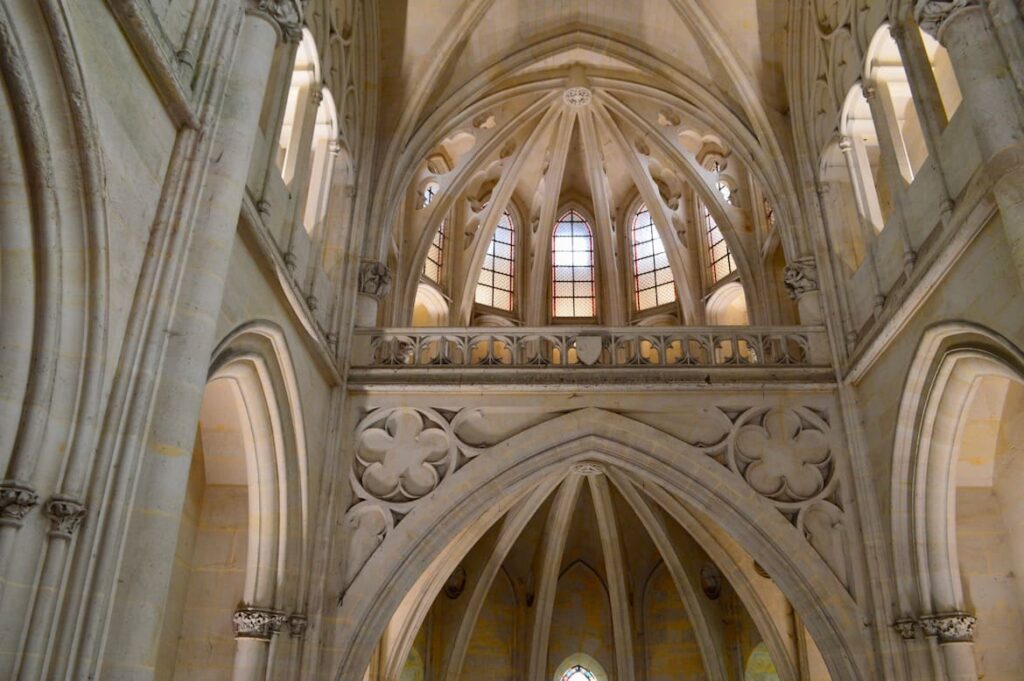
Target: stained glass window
point(572, 268)
point(578, 673)
point(497, 275)
point(434, 264)
point(653, 284)
point(720, 261)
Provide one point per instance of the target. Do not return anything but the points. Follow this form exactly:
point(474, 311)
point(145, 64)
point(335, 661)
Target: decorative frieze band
point(285, 14)
point(16, 500)
point(374, 279)
point(259, 623)
point(66, 515)
point(933, 16)
point(952, 627)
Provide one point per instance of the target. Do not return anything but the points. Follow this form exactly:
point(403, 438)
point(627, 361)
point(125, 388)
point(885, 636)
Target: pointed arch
point(442, 527)
point(653, 280)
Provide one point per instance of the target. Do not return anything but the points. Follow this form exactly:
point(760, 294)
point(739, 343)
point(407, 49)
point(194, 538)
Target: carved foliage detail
point(932, 15)
point(66, 516)
point(374, 279)
point(801, 277)
point(260, 623)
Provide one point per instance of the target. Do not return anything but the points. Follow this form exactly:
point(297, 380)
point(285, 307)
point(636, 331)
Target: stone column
point(801, 281)
point(955, 635)
point(254, 629)
point(992, 99)
point(154, 509)
point(66, 515)
point(374, 284)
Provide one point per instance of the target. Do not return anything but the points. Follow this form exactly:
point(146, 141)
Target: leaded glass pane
point(572, 260)
point(495, 286)
point(650, 263)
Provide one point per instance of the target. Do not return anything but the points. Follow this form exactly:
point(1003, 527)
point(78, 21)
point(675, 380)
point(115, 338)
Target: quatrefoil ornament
point(403, 455)
point(783, 457)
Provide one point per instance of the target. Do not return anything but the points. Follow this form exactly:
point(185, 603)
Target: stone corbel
point(905, 627)
point(286, 15)
point(374, 279)
point(801, 277)
point(934, 15)
point(952, 627)
point(297, 625)
point(66, 515)
point(16, 500)
point(258, 623)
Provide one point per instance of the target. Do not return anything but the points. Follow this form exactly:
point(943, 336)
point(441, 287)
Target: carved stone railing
point(598, 347)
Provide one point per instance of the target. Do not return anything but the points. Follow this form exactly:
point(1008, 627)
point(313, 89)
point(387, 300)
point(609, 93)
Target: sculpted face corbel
point(286, 15)
point(933, 16)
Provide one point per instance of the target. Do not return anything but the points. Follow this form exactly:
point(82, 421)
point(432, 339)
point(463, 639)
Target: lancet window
point(433, 267)
point(719, 257)
point(496, 285)
point(573, 291)
point(653, 283)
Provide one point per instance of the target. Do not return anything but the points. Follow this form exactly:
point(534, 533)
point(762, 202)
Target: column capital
point(66, 515)
point(933, 16)
point(374, 279)
point(801, 277)
point(950, 627)
point(285, 15)
point(16, 500)
point(258, 623)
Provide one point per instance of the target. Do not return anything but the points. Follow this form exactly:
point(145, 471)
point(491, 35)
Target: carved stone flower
point(403, 458)
point(787, 461)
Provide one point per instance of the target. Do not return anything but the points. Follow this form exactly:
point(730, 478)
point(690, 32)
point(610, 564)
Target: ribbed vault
point(493, 124)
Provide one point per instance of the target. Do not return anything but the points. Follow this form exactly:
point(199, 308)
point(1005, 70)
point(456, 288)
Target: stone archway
point(438, 529)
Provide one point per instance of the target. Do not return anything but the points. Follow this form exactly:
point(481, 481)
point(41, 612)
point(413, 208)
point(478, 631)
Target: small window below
point(578, 673)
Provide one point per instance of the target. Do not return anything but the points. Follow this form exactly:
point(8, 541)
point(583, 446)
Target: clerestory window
point(573, 291)
point(496, 285)
point(653, 283)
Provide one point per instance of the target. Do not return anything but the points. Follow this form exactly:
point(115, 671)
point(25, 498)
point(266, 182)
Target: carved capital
point(259, 623)
point(66, 515)
point(16, 500)
point(286, 15)
point(801, 277)
point(374, 279)
point(953, 627)
point(934, 16)
point(905, 628)
point(297, 625)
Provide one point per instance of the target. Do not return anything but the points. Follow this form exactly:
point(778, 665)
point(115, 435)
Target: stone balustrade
point(580, 347)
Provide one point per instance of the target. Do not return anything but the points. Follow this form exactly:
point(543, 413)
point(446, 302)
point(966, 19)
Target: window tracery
point(573, 291)
point(653, 283)
point(496, 284)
